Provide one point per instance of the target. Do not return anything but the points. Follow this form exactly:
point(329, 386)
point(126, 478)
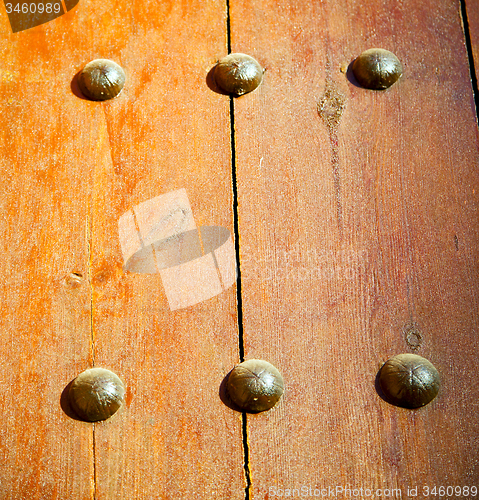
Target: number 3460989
point(450, 491)
point(33, 8)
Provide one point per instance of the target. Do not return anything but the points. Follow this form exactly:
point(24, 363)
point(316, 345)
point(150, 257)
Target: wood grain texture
point(45, 307)
point(73, 167)
point(169, 130)
point(359, 240)
point(354, 235)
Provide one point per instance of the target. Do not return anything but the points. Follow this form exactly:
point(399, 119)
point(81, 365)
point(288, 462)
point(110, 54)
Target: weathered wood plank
point(167, 131)
point(74, 167)
point(351, 237)
point(45, 296)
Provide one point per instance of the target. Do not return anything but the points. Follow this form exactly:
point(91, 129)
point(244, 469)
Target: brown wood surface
point(353, 234)
point(358, 226)
point(71, 168)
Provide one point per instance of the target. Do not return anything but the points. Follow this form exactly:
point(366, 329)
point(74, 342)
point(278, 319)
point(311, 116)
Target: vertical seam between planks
point(470, 54)
point(92, 336)
point(228, 26)
point(246, 456)
point(94, 463)
point(92, 339)
point(239, 302)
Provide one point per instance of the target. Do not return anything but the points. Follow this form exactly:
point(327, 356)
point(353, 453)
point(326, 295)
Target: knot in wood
point(331, 106)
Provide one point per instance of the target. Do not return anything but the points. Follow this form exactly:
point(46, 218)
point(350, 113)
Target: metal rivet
point(255, 385)
point(377, 69)
point(101, 79)
point(238, 74)
point(96, 394)
point(409, 381)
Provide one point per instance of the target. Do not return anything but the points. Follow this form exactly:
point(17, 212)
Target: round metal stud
point(255, 385)
point(409, 381)
point(238, 74)
point(101, 79)
point(377, 69)
point(96, 394)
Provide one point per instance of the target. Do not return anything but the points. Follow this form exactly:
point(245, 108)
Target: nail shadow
point(224, 395)
point(211, 82)
point(377, 386)
point(75, 88)
point(65, 403)
point(350, 75)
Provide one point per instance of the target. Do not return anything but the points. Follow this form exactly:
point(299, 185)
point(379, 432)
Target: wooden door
point(355, 239)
